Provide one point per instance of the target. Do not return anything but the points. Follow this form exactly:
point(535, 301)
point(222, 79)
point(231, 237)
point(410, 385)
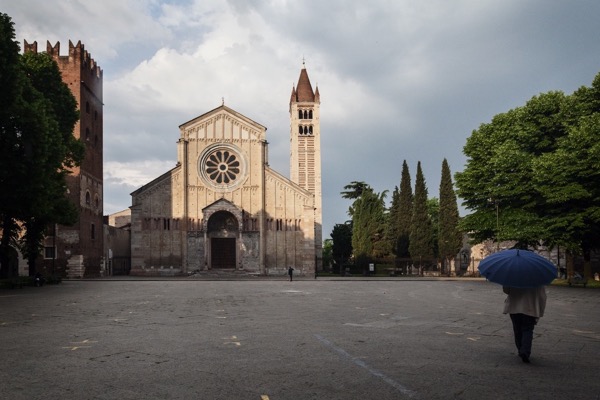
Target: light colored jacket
point(525, 301)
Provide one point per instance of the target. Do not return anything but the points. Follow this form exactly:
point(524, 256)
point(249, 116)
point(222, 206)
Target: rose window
point(222, 167)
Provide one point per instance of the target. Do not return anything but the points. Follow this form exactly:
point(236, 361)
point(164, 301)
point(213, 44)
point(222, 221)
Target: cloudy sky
point(399, 79)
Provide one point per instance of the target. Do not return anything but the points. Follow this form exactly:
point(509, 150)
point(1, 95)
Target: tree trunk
point(587, 264)
point(5, 249)
point(570, 264)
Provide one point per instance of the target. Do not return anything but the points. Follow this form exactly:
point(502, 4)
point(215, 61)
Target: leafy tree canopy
point(38, 147)
point(532, 173)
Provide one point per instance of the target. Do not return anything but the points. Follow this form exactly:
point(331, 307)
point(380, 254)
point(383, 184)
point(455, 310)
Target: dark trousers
point(523, 329)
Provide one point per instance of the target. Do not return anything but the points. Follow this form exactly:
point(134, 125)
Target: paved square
point(308, 339)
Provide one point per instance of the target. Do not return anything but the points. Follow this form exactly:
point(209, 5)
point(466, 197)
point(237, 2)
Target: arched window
point(310, 114)
point(300, 114)
point(310, 132)
point(97, 201)
point(87, 107)
point(95, 140)
point(300, 130)
point(88, 199)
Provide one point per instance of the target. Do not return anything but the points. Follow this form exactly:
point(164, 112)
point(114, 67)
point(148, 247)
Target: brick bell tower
point(305, 150)
point(77, 251)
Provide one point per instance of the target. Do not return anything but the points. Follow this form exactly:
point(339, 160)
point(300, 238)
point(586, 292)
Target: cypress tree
point(450, 238)
point(392, 226)
point(420, 246)
point(405, 205)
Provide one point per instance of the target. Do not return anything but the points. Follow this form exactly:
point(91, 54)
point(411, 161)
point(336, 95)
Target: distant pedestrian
point(39, 280)
point(526, 307)
point(291, 273)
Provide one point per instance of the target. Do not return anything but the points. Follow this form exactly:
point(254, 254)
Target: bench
point(577, 281)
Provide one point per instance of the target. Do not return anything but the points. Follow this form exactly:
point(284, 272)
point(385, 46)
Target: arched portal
point(223, 232)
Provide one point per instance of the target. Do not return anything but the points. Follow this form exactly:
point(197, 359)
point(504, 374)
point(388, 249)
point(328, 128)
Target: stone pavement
point(307, 339)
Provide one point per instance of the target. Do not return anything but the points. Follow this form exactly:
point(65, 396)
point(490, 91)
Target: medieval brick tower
point(305, 149)
point(77, 250)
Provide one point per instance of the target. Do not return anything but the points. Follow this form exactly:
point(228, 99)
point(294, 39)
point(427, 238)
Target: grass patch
point(591, 283)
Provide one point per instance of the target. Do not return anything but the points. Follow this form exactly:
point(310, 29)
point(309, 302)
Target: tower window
point(87, 133)
point(305, 130)
point(93, 232)
point(305, 114)
point(87, 107)
point(88, 199)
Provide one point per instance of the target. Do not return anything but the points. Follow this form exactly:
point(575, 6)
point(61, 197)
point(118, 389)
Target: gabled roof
point(221, 200)
point(223, 108)
point(156, 181)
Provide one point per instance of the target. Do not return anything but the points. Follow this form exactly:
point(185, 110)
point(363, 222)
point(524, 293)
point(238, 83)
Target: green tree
point(421, 231)
point(38, 150)
point(12, 84)
point(353, 191)
point(449, 237)
point(532, 173)
point(405, 205)
point(368, 227)
point(497, 183)
point(54, 151)
point(392, 227)
point(433, 210)
point(342, 244)
point(327, 253)
point(569, 181)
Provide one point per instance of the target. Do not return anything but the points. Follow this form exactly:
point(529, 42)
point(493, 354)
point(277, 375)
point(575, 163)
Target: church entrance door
point(223, 231)
point(223, 253)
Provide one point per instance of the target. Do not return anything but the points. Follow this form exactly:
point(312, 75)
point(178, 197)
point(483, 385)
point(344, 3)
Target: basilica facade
point(223, 208)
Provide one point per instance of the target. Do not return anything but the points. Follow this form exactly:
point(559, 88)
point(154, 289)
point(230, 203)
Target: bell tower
point(305, 149)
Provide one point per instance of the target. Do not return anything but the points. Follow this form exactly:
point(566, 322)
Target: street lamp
point(496, 204)
point(497, 226)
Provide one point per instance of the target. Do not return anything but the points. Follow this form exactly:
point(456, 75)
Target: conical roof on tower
point(303, 91)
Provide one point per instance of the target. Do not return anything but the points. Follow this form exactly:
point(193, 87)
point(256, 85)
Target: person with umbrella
point(523, 275)
point(525, 307)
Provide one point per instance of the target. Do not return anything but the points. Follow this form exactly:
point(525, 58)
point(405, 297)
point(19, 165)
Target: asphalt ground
point(271, 339)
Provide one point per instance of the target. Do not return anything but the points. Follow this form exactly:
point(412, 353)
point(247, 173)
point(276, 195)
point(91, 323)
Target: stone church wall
point(250, 251)
point(196, 252)
point(289, 227)
point(156, 232)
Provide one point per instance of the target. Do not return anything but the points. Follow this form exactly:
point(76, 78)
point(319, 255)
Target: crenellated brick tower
point(77, 250)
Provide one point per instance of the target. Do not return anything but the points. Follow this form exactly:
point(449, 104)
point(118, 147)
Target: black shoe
point(525, 358)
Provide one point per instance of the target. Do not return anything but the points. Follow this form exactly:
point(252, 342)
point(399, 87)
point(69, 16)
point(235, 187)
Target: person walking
point(525, 307)
point(291, 273)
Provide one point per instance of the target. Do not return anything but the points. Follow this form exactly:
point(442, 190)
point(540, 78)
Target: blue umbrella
point(517, 268)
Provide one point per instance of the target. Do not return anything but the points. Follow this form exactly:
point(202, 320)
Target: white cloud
point(398, 79)
point(135, 174)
